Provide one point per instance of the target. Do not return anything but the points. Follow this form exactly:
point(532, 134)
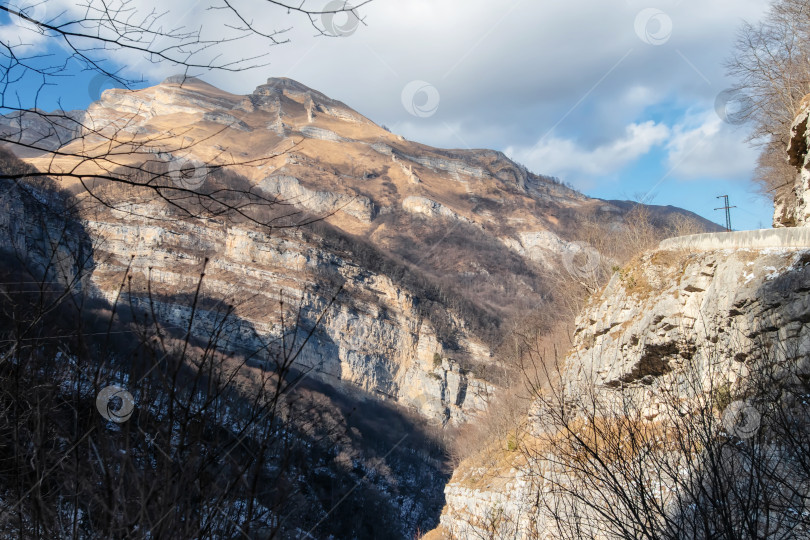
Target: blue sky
point(617, 98)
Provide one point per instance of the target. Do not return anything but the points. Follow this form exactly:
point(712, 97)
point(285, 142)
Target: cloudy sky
point(622, 99)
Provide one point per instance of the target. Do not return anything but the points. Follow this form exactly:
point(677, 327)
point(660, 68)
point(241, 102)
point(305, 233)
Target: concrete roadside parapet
point(787, 237)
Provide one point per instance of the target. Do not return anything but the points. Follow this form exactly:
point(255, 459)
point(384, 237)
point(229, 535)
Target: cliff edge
point(793, 208)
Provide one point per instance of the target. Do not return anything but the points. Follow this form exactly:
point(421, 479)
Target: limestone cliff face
point(792, 209)
point(718, 310)
point(421, 310)
point(657, 319)
point(688, 317)
point(372, 338)
point(486, 500)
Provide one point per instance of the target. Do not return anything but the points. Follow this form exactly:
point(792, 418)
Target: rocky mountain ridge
point(297, 145)
point(402, 269)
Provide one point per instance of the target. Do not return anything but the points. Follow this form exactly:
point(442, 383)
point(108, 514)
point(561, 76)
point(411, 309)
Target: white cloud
point(699, 146)
point(574, 162)
point(508, 72)
point(703, 146)
point(504, 69)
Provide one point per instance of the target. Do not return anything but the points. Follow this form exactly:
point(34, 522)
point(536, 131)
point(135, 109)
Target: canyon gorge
point(404, 272)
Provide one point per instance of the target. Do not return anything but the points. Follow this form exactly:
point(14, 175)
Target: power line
point(727, 208)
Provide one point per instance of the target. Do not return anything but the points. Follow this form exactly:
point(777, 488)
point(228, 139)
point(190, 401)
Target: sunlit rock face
point(673, 324)
point(676, 310)
point(438, 251)
point(792, 209)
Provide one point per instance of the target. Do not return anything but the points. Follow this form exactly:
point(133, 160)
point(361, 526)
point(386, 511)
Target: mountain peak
point(187, 80)
point(287, 83)
point(181, 79)
point(293, 88)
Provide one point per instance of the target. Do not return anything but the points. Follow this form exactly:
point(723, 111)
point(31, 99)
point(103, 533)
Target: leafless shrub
point(770, 67)
point(605, 467)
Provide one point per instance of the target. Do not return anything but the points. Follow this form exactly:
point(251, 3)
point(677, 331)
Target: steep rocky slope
point(688, 323)
point(654, 322)
point(417, 264)
point(437, 250)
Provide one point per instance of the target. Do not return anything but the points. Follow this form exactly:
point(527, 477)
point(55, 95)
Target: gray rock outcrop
point(430, 208)
point(715, 309)
point(792, 208)
point(289, 189)
point(673, 321)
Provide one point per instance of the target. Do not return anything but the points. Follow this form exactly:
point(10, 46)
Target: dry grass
point(666, 265)
point(439, 533)
point(633, 279)
point(490, 469)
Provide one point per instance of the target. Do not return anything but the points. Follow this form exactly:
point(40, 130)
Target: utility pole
point(727, 208)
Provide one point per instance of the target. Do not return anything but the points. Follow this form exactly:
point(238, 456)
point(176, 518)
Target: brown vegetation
point(609, 469)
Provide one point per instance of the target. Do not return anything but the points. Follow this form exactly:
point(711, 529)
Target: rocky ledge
point(792, 209)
